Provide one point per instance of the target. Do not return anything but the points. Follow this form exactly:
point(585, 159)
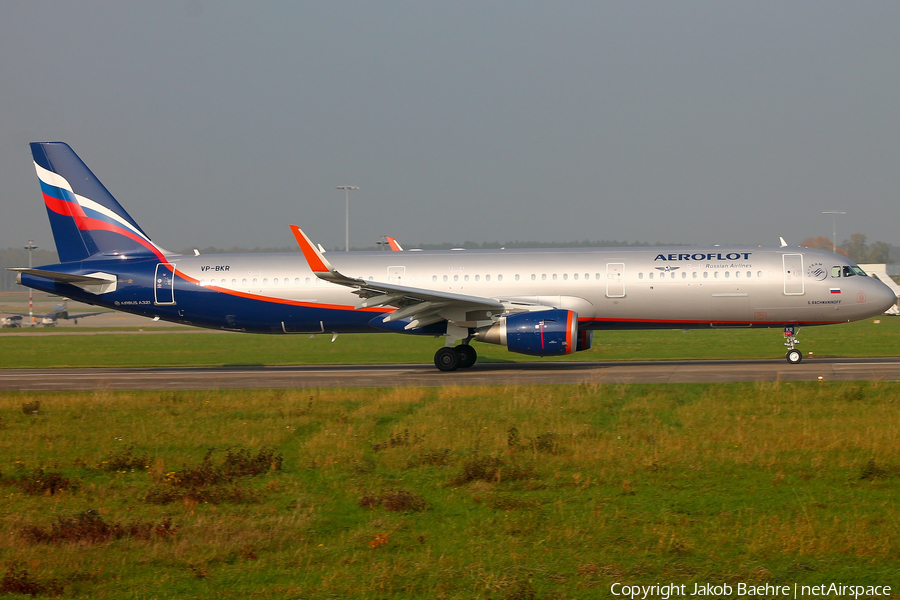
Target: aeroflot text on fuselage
point(710, 256)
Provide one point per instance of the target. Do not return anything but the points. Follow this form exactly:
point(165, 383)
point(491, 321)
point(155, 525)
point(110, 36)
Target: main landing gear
point(793, 355)
point(452, 358)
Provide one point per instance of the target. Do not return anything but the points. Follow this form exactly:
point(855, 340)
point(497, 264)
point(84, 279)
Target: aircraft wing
point(70, 315)
point(83, 315)
point(423, 307)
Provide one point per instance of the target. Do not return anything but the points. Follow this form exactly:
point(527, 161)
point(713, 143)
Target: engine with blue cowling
point(540, 333)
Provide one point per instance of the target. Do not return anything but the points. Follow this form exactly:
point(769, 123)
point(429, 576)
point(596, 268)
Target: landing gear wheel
point(446, 359)
point(467, 356)
point(794, 356)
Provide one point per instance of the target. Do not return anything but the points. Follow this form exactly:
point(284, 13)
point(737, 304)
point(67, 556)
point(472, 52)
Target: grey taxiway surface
point(249, 377)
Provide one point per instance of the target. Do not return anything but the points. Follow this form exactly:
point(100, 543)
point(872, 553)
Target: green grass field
point(201, 348)
point(501, 492)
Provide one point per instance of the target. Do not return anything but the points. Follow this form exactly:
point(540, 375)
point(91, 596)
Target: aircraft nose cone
point(883, 296)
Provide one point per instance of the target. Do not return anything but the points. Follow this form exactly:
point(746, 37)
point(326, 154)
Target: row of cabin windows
point(553, 277)
point(837, 271)
point(696, 275)
point(434, 278)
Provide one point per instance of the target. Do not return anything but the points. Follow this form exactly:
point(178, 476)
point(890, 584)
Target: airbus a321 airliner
point(535, 302)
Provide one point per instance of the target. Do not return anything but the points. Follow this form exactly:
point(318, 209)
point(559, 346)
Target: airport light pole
point(347, 189)
point(834, 214)
point(30, 247)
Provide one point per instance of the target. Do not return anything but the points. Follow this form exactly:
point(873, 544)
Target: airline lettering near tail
point(535, 302)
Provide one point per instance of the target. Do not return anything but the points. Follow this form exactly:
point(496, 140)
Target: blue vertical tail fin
point(85, 218)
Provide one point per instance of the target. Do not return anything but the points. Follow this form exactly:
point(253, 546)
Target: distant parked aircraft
point(50, 319)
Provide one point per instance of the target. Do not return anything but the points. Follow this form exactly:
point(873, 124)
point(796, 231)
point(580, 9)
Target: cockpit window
point(835, 271)
point(850, 271)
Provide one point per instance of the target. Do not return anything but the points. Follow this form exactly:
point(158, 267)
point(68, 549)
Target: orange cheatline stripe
point(276, 300)
point(309, 253)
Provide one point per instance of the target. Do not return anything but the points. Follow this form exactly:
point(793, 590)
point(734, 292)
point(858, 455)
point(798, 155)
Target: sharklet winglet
point(313, 257)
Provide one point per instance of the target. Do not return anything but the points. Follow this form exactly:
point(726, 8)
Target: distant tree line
point(448, 246)
point(856, 249)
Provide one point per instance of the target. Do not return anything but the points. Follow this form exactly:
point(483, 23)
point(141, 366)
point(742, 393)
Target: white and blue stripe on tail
point(86, 220)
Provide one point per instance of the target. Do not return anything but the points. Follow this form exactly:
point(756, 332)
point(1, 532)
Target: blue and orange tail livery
point(85, 218)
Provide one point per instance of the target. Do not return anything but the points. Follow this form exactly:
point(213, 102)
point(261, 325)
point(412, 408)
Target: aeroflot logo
point(710, 256)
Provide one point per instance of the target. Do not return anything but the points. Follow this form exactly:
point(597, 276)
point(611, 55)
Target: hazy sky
point(219, 123)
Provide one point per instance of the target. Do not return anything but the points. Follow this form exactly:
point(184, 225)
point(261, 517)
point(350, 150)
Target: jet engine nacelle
point(540, 333)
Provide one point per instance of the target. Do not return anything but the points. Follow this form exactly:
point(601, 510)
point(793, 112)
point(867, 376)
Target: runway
point(255, 377)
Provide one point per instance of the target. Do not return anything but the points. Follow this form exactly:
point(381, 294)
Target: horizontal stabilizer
point(95, 283)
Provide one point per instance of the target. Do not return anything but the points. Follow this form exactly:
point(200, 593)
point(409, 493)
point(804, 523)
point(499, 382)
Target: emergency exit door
point(793, 274)
point(615, 280)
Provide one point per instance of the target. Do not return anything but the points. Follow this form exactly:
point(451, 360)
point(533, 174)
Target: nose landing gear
point(793, 355)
